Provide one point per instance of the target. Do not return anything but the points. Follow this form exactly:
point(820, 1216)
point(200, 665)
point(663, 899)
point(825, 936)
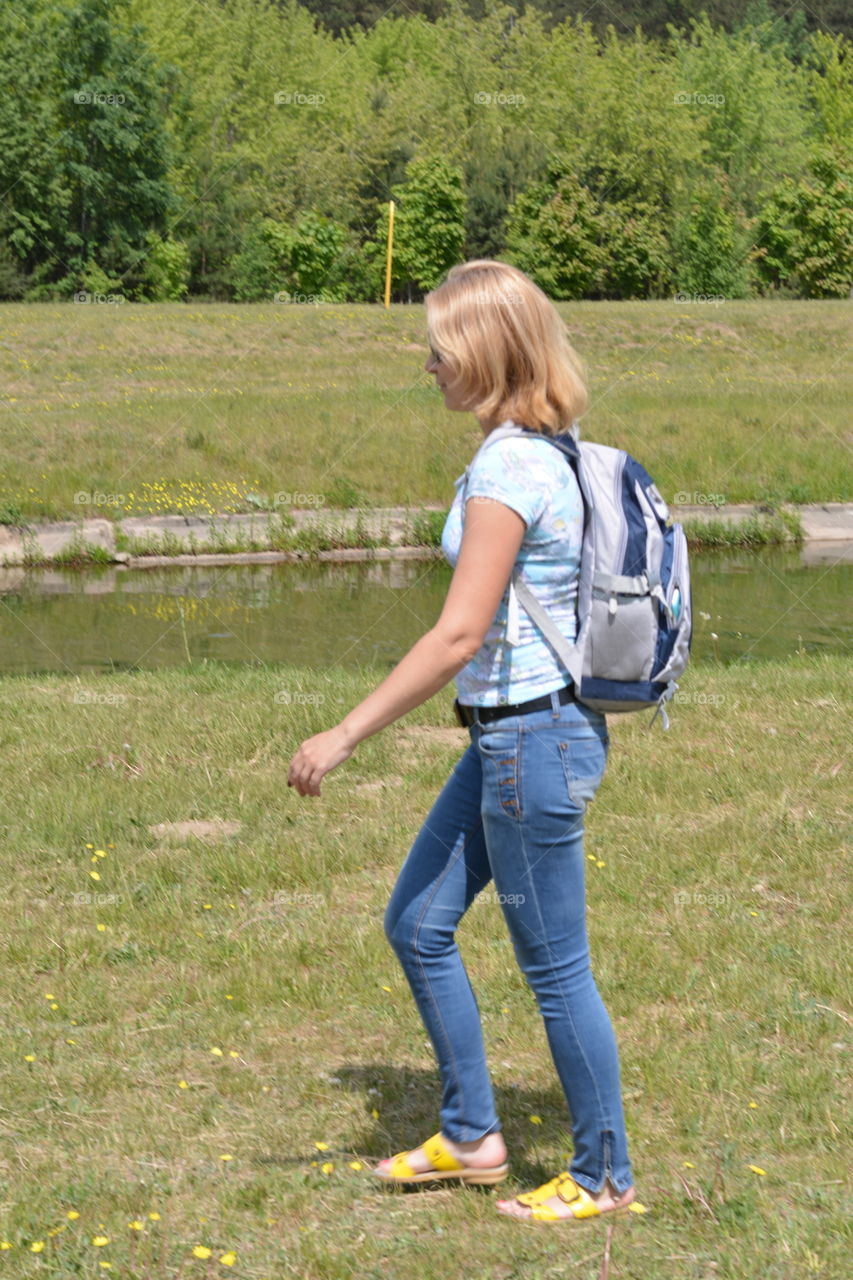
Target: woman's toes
point(513, 1208)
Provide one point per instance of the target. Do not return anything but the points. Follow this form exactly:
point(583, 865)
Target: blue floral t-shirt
point(536, 480)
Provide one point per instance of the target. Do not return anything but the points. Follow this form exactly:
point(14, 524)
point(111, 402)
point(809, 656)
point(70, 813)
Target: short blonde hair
point(508, 345)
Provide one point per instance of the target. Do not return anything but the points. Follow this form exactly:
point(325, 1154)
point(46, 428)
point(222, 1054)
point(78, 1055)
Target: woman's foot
point(487, 1152)
point(562, 1198)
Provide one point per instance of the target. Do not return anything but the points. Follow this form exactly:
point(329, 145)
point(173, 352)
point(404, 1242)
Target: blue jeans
point(513, 811)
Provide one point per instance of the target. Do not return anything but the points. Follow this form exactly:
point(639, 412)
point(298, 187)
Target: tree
point(553, 235)
point(710, 244)
point(28, 187)
point(805, 230)
point(111, 157)
point(429, 224)
point(296, 262)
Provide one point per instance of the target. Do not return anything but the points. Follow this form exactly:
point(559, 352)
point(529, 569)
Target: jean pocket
point(500, 760)
point(584, 761)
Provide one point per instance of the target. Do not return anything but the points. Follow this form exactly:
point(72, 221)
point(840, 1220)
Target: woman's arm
point(491, 541)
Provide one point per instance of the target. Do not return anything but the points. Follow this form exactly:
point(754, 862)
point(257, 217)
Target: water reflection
point(746, 604)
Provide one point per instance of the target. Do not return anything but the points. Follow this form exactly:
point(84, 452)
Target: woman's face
point(446, 380)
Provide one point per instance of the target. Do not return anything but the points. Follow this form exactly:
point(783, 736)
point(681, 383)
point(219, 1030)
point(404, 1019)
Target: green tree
point(553, 235)
point(111, 158)
point(830, 87)
point(28, 186)
point(294, 263)
point(711, 244)
point(805, 230)
point(748, 103)
point(166, 274)
point(429, 224)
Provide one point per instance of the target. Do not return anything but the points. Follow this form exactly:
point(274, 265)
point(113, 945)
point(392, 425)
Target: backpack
point(634, 604)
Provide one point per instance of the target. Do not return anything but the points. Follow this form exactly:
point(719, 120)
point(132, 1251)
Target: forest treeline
point(247, 150)
point(792, 22)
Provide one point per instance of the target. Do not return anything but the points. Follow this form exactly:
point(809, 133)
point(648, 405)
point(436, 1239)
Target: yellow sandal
point(444, 1166)
point(571, 1193)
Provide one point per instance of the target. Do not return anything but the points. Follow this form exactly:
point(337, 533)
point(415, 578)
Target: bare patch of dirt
point(438, 736)
point(203, 828)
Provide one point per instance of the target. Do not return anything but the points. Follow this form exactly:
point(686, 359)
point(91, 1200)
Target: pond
point(767, 603)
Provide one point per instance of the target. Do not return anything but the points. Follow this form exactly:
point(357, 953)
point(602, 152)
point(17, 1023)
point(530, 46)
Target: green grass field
point(115, 410)
point(209, 1040)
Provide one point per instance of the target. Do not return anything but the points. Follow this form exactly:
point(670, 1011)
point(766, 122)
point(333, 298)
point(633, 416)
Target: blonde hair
point(508, 346)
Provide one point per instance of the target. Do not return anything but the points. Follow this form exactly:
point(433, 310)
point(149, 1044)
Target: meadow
point(115, 410)
point(209, 1041)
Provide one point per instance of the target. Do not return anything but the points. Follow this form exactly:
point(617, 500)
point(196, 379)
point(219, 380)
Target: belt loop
point(555, 704)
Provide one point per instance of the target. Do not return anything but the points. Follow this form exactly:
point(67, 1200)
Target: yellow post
point(388, 259)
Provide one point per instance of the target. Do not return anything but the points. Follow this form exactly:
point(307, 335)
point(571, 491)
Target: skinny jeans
point(512, 811)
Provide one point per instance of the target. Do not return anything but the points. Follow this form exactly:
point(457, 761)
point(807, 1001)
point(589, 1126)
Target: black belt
point(465, 713)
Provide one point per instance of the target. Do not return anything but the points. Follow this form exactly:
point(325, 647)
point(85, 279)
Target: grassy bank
point(209, 1039)
point(109, 410)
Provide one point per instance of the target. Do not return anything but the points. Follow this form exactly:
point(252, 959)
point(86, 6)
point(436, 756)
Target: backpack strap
point(569, 654)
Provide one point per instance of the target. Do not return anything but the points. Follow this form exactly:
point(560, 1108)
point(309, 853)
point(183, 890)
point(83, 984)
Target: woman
point(513, 808)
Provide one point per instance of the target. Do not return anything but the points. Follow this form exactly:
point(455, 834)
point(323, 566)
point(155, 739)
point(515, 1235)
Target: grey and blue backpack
point(634, 605)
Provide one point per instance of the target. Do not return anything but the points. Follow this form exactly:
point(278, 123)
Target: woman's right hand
point(316, 757)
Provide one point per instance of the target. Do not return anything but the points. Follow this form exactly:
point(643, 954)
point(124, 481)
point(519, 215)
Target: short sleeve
point(516, 473)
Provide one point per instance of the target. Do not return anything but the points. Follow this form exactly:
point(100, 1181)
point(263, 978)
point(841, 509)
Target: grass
point(172, 1000)
point(773, 529)
point(200, 409)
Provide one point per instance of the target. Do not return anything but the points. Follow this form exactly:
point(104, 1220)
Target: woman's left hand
point(315, 758)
